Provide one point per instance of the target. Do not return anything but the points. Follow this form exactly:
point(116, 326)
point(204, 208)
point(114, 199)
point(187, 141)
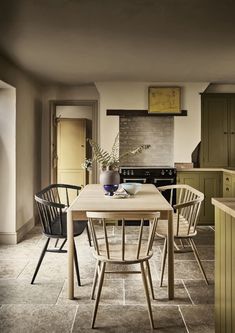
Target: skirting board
point(11, 238)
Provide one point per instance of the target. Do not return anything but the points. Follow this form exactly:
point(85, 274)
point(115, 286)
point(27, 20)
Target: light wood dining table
point(92, 198)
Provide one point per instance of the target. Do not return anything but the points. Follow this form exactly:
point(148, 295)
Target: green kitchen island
point(224, 264)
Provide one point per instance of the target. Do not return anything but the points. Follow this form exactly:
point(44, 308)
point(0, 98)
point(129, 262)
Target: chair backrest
point(128, 244)
point(51, 206)
point(187, 207)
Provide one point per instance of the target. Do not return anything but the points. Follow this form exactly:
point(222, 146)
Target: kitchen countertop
point(225, 204)
point(232, 172)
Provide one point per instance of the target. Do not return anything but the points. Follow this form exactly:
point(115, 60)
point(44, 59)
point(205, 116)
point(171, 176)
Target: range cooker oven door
point(135, 180)
point(164, 182)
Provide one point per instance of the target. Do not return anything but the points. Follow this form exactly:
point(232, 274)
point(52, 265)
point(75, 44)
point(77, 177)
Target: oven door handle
point(170, 180)
point(142, 180)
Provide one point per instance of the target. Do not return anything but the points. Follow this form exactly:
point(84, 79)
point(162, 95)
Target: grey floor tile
point(199, 292)
point(134, 294)
point(129, 319)
point(112, 293)
point(36, 319)
point(199, 319)
point(205, 253)
point(22, 292)
point(188, 269)
point(11, 268)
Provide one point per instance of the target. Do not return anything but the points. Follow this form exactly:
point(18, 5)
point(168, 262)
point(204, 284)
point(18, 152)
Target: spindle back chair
point(122, 248)
point(53, 218)
point(187, 209)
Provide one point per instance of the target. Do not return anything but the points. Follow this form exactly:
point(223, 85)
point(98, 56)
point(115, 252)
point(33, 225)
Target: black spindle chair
point(53, 217)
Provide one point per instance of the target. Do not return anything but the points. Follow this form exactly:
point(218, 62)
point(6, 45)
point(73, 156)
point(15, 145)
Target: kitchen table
point(92, 198)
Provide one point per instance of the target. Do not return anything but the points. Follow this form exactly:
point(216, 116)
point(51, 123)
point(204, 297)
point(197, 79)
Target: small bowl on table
point(131, 188)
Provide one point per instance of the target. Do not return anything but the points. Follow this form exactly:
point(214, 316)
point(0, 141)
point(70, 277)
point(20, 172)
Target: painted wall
point(133, 95)
point(7, 160)
point(28, 141)
point(86, 92)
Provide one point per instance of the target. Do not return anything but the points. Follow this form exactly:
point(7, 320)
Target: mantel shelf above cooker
point(143, 113)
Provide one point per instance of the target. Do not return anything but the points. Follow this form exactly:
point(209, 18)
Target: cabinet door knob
point(227, 178)
point(227, 189)
point(232, 132)
point(225, 132)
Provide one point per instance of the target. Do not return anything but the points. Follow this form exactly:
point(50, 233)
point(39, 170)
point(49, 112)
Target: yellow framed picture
point(164, 100)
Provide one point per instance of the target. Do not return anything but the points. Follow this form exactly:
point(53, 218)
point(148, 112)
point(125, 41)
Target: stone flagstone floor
point(44, 307)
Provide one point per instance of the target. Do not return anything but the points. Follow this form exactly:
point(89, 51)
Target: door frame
point(53, 134)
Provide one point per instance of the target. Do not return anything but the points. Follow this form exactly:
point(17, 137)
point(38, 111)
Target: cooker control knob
point(132, 172)
point(128, 172)
point(170, 172)
point(124, 172)
point(162, 172)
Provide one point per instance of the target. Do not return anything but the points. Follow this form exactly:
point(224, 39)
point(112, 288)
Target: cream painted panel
point(71, 151)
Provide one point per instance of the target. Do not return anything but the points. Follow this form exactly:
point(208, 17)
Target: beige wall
point(79, 93)
point(7, 161)
point(28, 137)
point(133, 95)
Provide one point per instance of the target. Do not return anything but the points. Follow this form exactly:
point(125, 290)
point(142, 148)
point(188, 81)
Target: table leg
point(70, 255)
point(170, 253)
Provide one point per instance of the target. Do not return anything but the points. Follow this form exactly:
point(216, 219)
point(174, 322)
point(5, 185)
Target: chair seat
point(162, 228)
point(115, 251)
point(78, 227)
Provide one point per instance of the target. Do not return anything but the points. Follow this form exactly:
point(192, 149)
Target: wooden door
point(214, 131)
point(71, 151)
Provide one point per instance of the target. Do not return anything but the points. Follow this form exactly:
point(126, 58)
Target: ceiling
point(83, 41)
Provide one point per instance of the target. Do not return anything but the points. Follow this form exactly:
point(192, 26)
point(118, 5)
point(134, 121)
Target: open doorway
point(72, 122)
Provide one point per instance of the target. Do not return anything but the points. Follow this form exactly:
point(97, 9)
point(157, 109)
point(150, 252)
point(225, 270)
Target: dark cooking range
point(159, 176)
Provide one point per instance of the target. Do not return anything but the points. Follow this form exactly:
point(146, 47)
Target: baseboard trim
point(8, 238)
point(11, 238)
point(25, 229)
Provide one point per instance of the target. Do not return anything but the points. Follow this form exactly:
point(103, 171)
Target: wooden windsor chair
point(53, 218)
point(122, 250)
point(185, 219)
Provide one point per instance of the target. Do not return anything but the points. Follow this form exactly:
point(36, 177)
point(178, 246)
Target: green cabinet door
point(189, 178)
point(209, 183)
point(214, 146)
point(231, 122)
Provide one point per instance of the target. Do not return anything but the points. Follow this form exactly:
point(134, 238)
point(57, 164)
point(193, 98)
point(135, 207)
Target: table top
point(92, 198)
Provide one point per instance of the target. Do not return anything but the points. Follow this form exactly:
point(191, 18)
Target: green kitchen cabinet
point(209, 183)
point(228, 185)
point(218, 130)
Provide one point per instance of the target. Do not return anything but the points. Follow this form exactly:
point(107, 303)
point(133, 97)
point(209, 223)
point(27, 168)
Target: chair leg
point(62, 245)
point(163, 261)
point(196, 254)
point(100, 284)
point(150, 278)
point(40, 259)
point(56, 242)
point(88, 234)
point(76, 264)
point(95, 280)
point(147, 295)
